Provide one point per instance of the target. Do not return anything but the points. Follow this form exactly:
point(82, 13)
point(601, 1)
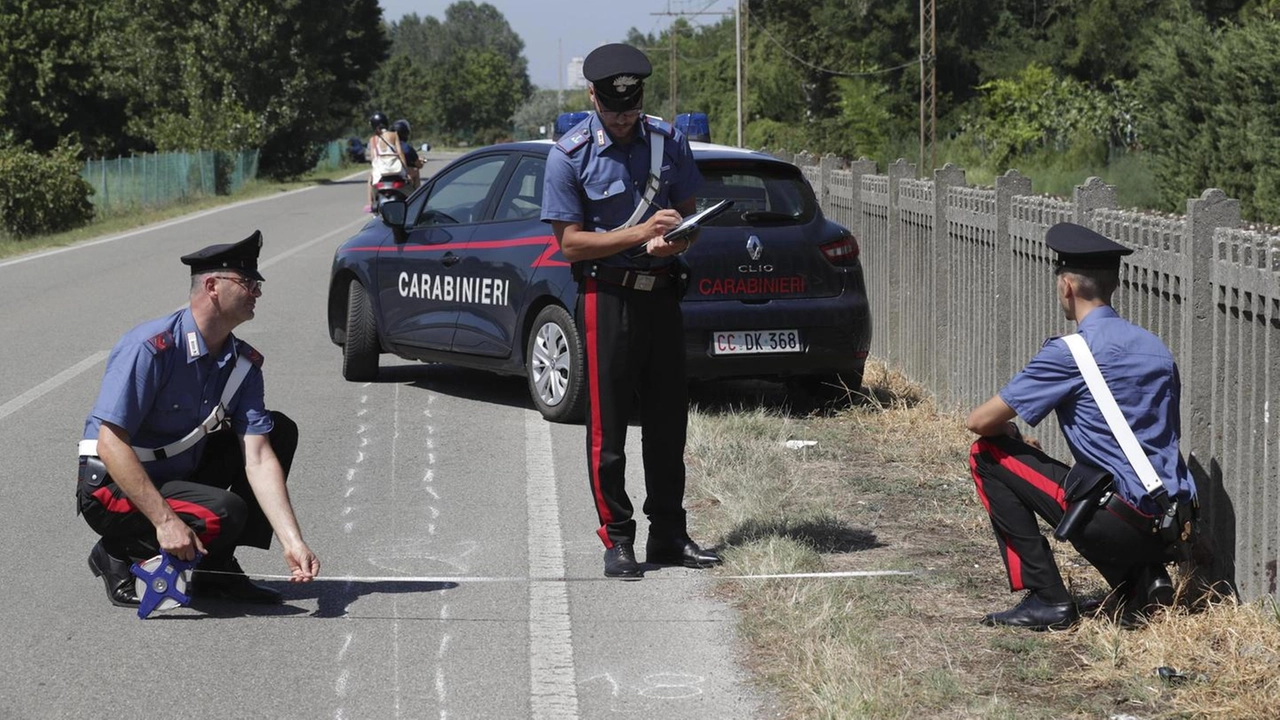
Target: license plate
point(753, 342)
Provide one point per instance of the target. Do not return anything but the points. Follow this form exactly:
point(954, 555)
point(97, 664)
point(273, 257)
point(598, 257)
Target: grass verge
point(885, 486)
point(121, 221)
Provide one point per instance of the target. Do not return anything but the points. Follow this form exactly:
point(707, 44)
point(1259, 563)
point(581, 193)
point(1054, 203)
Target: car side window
point(522, 198)
point(459, 195)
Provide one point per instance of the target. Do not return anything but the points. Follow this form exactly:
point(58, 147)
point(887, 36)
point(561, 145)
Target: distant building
point(574, 74)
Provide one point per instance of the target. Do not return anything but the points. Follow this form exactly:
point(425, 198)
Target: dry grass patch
point(884, 485)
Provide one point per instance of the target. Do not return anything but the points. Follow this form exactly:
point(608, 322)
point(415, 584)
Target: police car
point(463, 272)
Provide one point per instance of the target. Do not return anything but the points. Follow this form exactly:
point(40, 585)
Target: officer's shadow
point(333, 597)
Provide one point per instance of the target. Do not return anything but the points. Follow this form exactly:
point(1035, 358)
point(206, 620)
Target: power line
point(819, 68)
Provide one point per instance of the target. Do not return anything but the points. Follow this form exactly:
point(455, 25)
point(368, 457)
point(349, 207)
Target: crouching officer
point(179, 452)
point(615, 184)
point(1128, 500)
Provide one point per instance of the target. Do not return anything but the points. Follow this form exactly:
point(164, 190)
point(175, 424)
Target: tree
point(467, 76)
point(50, 65)
point(1210, 111)
point(280, 75)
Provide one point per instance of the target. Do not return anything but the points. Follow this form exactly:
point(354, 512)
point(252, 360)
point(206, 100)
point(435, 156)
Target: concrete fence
point(962, 295)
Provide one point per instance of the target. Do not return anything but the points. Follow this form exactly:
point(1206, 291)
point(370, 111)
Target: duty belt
point(1140, 521)
point(634, 279)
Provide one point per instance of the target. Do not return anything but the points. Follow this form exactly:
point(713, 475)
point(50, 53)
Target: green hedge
point(42, 193)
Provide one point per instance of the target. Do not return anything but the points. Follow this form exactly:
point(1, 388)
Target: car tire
point(553, 362)
point(360, 351)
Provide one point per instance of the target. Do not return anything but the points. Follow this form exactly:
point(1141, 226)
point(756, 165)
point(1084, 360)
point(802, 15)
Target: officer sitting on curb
point(615, 185)
point(1129, 499)
point(159, 470)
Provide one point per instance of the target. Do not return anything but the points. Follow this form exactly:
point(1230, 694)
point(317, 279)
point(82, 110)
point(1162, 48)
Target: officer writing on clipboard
point(615, 184)
point(1128, 501)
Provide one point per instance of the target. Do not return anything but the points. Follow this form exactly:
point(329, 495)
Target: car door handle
point(449, 259)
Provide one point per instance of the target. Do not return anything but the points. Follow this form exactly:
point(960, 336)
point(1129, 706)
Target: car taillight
point(843, 252)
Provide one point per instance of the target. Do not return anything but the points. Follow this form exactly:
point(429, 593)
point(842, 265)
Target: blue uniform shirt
point(1143, 378)
point(595, 182)
point(161, 382)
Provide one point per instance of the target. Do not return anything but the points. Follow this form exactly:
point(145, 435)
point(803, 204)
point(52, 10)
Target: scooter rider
point(386, 159)
point(413, 164)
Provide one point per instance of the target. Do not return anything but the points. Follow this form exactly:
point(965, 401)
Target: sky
point(556, 30)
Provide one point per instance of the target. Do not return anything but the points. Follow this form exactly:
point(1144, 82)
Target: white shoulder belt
point(657, 142)
point(211, 423)
point(1115, 418)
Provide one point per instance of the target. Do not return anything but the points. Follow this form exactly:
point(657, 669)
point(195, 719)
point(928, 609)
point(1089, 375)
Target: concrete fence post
point(826, 164)
point(899, 170)
point(1093, 194)
point(1008, 186)
point(858, 168)
point(1201, 441)
point(942, 354)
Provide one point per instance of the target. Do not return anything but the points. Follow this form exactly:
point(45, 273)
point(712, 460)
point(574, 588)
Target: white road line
point(553, 690)
point(52, 383)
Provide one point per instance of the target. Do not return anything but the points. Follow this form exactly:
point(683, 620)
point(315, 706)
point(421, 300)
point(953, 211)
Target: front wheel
point(554, 365)
point(360, 351)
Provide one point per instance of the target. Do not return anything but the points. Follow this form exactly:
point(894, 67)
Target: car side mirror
point(393, 216)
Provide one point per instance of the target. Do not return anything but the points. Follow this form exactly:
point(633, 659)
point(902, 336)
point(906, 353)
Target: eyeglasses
point(244, 282)
point(622, 115)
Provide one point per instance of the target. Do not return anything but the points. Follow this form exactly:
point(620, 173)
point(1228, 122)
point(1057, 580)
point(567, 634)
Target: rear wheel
point(360, 351)
point(554, 365)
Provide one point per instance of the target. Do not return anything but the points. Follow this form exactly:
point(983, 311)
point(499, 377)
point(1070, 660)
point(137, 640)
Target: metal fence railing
point(158, 179)
point(962, 295)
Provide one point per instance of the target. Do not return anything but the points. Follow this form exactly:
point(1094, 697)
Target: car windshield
point(761, 194)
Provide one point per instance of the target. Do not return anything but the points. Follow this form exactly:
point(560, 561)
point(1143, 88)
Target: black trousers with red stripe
point(1016, 483)
point(634, 350)
point(216, 501)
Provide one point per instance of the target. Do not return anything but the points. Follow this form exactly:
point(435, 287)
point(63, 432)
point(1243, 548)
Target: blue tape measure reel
point(162, 582)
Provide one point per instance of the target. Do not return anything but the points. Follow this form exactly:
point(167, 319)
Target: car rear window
point(762, 194)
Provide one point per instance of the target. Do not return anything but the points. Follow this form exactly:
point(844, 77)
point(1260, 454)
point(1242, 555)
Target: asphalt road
point(431, 472)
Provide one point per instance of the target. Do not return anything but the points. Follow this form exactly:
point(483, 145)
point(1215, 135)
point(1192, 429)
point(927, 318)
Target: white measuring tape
point(519, 579)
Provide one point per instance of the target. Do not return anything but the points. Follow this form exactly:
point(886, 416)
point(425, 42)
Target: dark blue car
point(465, 273)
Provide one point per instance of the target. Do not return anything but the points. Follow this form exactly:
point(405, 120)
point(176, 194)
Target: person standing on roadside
point(179, 452)
point(615, 184)
point(1128, 501)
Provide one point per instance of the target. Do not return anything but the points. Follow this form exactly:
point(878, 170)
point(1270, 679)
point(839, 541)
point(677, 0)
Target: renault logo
point(754, 247)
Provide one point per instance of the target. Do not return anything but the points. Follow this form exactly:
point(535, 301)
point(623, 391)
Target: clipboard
point(695, 221)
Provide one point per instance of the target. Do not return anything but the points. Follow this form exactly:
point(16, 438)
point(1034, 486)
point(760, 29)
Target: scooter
point(388, 187)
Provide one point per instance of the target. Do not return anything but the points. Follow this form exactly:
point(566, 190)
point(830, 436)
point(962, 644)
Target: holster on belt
point(92, 474)
point(1086, 487)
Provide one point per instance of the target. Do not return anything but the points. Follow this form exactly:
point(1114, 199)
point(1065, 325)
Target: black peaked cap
point(617, 73)
point(241, 257)
point(1079, 247)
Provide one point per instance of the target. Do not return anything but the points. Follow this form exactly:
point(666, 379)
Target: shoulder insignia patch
point(161, 342)
point(659, 125)
point(249, 352)
point(572, 143)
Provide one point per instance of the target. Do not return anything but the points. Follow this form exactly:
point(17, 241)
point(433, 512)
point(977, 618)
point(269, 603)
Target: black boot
point(1150, 589)
point(620, 562)
point(114, 571)
point(1033, 613)
point(223, 578)
point(679, 551)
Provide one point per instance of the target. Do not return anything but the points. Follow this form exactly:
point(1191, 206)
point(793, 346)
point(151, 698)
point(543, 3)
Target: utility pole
point(737, 34)
point(928, 86)
point(674, 76)
point(674, 73)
